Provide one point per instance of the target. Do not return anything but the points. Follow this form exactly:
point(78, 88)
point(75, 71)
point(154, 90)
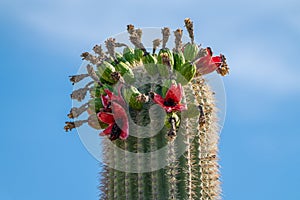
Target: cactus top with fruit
point(124, 86)
point(173, 68)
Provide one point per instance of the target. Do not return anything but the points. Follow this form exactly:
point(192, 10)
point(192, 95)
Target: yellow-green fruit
point(125, 71)
point(149, 62)
point(179, 60)
point(95, 105)
point(95, 91)
point(138, 54)
point(122, 68)
point(186, 73)
point(172, 115)
point(120, 58)
point(170, 54)
point(105, 70)
point(130, 96)
point(128, 54)
point(190, 51)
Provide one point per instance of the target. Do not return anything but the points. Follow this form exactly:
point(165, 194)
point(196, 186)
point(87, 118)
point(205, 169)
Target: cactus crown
point(123, 89)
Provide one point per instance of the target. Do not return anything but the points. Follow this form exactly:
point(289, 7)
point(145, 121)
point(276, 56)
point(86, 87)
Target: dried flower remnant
point(223, 69)
point(166, 34)
point(76, 112)
point(89, 57)
point(156, 44)
point(71, 125)
point(190, 28)
point(178, 39)
point(77, 78)
point(80, 94)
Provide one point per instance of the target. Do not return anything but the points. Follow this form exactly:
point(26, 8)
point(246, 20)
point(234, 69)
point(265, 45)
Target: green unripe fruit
point(95, 91)
point(170, 54)
point(128, 54)
point(186, 73)
point(120, 58)
point(179, 60)
point(95, 105)
point(138, 54)
point(172, 115)
point(125, 71)
point(190, 51)
point(122, 68)
point(130, 96)
point(105, 70)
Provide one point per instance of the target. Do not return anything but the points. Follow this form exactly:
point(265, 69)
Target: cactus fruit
point(158, 118)
point(190, 51)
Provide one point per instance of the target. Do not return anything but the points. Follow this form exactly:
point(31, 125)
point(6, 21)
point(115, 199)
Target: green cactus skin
point(194, 175)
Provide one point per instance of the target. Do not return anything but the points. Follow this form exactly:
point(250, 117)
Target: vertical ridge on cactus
point(157, 115)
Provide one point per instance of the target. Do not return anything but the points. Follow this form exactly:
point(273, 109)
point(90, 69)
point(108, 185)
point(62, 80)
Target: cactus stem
point(171, 170)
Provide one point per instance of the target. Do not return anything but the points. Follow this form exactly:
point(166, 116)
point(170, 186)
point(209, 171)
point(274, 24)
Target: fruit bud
point(95, 105)
point(76, 78)
point(170, 56)
point(131, 96)
point(186, 73)
point(105, 70)
point(128, 54)
point(138, 54)
point(179, 60)
point(190, 51)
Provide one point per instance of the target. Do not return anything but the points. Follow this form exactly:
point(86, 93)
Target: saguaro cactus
point(157, 116)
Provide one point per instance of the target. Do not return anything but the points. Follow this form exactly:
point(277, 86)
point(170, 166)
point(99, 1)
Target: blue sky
point(40, 46)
